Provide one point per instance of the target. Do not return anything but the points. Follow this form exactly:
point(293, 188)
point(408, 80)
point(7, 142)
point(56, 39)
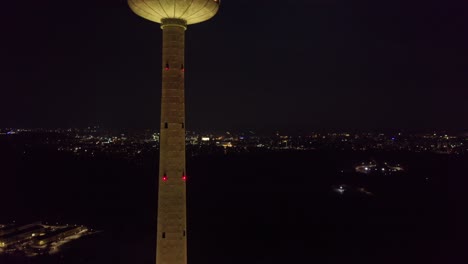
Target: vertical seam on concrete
point(205, 14)
point(136, 6)
point(190, 5)
point(162, 8)
point(206, 3)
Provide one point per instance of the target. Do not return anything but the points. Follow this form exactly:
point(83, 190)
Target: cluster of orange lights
point(184, 178)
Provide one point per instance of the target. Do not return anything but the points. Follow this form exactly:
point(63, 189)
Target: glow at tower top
point(191, 11)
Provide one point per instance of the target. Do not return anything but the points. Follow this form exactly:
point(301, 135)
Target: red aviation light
point(167, 67)
point(164, 178)
point(184, 177)
point(182, 69)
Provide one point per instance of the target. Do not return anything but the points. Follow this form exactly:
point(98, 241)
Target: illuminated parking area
point(377, 168)
point(38, 239)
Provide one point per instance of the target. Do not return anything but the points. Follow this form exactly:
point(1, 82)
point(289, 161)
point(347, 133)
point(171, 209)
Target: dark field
point(246, 208)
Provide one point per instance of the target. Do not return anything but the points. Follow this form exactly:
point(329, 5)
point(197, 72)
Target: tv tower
point(174, 16)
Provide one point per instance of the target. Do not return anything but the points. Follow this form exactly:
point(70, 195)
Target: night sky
point(296, 64)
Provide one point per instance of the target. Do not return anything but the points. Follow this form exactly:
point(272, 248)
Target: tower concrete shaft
point(174, 16)
point(172, 225)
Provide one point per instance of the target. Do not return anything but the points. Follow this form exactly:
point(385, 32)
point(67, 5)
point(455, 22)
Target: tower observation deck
point(174, 16)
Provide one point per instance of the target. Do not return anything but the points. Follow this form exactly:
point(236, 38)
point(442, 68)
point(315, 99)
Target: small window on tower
point(183, 126)
point(184, 232)
point(164, 235)
point(165, 125)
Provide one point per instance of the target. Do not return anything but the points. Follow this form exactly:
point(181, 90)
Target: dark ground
point(246, 208)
